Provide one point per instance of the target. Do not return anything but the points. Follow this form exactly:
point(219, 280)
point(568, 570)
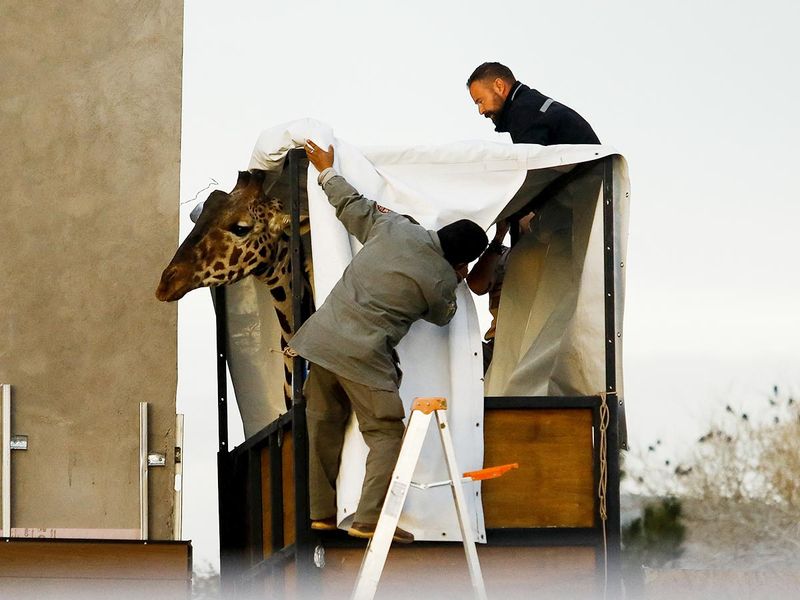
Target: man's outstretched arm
point(483, 275)
point(357, 213)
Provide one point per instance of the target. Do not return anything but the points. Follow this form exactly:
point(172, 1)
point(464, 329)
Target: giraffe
point(241, 233)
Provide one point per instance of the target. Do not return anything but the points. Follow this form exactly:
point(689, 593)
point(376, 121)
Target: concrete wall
point(90, 109)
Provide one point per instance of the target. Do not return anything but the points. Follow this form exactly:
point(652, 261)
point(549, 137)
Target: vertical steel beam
point(177, 509)
point(5, 439)
point(612, 334)
point(143, 483)
point(276, 490)
point(220, 310)
point(224, 467)
point(304, 546)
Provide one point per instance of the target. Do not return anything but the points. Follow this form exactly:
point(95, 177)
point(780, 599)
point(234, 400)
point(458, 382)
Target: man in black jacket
point(529, 116)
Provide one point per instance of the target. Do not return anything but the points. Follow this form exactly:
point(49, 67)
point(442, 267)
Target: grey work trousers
point(329, 400)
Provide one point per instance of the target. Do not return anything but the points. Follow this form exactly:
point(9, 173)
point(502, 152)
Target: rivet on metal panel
point(622, 264)
point(620, 401)
point(619, 334)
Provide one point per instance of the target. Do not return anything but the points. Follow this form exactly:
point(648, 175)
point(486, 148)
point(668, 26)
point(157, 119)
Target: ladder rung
point(435, 484)
point(480, 475)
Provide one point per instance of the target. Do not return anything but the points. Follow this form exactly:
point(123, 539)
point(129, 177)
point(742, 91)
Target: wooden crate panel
point(554, 485)
point(266, 503)
point(287, 475)
point(87, 558)
point(94, 569)
point(288, 488)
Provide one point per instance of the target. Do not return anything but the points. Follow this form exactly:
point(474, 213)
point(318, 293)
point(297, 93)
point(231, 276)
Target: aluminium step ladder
point(422, 410)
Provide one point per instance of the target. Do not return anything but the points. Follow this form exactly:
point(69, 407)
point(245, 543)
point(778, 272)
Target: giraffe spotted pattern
point(241, 233)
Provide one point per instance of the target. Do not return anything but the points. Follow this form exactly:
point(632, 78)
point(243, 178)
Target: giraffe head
point(235, 236)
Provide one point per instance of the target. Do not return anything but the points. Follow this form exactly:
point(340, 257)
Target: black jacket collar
point(502, 121)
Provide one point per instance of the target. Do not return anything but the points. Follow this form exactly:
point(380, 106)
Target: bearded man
point(527, 114)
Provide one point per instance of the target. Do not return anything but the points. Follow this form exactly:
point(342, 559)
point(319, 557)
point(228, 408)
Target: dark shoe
point(367, 530)
point(328, 524)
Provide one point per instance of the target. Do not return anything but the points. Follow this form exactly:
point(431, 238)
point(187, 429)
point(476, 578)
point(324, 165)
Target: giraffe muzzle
point(175, 283)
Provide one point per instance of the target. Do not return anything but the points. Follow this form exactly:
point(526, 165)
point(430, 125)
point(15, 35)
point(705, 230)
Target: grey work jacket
point(399, 276)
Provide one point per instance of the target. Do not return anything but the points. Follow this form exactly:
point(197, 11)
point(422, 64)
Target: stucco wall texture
point(90, 113)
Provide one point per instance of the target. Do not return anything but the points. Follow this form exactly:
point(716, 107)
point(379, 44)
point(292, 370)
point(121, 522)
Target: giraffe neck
point(277, 276)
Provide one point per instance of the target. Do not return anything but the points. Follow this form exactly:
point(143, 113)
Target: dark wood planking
point(554, 485)
point(288, 489)
point(266, 503)
point(94, 560)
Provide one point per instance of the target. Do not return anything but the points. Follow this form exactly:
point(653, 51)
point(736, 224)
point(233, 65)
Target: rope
point(602, 487)
point(286, 352)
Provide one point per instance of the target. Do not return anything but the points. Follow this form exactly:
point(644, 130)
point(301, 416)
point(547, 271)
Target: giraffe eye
point(240, 230)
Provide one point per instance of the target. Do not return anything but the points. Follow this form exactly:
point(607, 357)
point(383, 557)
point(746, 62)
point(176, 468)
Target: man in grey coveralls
point(403, 273)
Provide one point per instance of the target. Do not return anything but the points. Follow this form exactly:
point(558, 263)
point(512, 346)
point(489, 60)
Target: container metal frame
point(240, 473)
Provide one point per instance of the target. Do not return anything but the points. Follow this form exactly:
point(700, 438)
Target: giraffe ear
point(280, 189)
point(264, 180)
point(268, 179)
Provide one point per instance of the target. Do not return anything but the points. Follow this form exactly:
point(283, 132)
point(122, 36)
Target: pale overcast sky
point(700, 97)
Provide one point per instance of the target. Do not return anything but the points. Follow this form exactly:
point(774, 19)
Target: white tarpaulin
point(550, 336)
